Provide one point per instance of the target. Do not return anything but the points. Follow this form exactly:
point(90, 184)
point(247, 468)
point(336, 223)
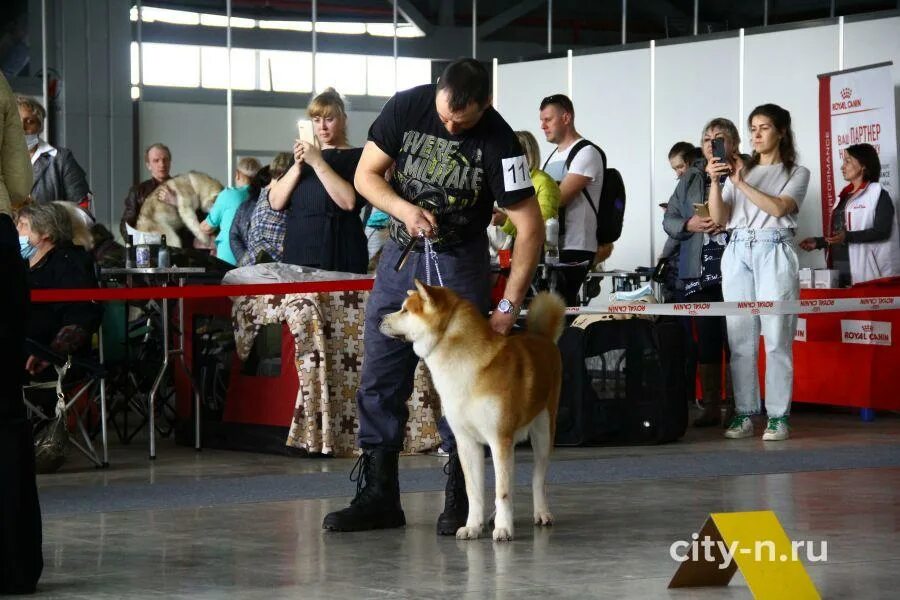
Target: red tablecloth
point(828, 370)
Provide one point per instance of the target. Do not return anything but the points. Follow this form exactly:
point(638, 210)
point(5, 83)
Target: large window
point(278, 71)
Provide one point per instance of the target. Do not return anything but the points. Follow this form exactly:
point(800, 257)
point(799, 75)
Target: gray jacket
point(689, 191)
point(59, 177)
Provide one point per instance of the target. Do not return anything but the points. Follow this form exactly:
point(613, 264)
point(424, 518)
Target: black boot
point(456, 503)
point(377, 501)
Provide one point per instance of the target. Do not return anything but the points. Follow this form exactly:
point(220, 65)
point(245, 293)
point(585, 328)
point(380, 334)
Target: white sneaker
point(777, 430)
point(741, 426)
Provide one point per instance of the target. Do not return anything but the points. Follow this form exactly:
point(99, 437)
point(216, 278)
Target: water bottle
point(129, 252)
point(551, 244)
point(163, 260)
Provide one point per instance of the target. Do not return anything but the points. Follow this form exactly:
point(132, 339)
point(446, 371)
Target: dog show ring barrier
point(164, 292)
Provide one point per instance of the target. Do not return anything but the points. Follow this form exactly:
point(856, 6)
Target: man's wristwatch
point(507, 307)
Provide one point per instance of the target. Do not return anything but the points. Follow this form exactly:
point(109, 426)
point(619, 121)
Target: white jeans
point(761, 264)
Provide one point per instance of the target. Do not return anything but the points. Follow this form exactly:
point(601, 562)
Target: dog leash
point(431, 256)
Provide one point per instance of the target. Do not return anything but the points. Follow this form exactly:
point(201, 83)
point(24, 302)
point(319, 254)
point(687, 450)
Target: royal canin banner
point(856, 106)
point(873, 333)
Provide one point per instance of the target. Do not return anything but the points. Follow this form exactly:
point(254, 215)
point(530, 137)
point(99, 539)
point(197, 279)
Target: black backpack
point(610, 210)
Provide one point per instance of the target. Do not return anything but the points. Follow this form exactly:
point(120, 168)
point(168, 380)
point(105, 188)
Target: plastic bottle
point(129, 252)
point(163, 260)
point(551, 245)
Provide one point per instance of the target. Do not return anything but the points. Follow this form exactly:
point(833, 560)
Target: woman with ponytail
point(758, 204)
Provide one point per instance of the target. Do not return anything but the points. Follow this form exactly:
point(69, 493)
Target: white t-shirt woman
point(759, 205)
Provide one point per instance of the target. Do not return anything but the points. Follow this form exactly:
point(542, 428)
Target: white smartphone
point(305, 131)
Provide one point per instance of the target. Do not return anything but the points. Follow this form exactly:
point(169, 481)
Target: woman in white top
point(758, 204)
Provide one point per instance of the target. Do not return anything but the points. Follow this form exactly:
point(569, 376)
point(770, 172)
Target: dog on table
point(175, 204)
point(495, 390)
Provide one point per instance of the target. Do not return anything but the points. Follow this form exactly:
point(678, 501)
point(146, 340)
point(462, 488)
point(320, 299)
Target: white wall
point(694, 82)
point(196, 133)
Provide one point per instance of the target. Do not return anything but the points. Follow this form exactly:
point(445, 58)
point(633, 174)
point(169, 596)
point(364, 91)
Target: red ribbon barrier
point(199, 291)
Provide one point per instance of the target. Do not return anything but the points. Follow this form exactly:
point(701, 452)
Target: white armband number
point(515, 173)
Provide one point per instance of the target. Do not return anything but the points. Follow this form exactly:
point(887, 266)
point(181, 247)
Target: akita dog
point(495, 390)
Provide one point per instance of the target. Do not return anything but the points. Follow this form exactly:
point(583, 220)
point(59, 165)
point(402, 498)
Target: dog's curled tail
point(546, 315)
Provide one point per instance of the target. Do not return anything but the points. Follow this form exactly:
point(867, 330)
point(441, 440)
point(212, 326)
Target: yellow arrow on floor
point(754, 542)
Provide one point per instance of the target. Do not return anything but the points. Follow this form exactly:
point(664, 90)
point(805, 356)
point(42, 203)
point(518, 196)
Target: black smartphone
point(718, 151)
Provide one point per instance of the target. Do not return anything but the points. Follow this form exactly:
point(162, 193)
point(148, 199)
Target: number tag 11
point(515, 173)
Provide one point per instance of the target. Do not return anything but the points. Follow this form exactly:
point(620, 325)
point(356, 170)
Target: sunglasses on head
point(561, 100)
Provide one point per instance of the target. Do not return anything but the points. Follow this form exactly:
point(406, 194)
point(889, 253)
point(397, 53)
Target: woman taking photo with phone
point(699, 258)
point(864, 243)
point(323, 227)
point(758, 204)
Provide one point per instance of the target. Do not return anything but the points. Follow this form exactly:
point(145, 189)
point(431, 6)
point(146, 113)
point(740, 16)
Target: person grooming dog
point(455, 156)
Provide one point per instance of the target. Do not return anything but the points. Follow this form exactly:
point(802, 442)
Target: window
point(165, 15)
point(171, 64)
point(222, 21)
point(273, 70)
point(214, 68)
point(286, 71)
point(344, 72)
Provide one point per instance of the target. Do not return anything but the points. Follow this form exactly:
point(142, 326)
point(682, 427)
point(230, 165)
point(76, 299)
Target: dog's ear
point(423, 291)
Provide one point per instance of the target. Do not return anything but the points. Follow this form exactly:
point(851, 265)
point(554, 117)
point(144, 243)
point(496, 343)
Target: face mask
point(32, 140)
point(25, 247)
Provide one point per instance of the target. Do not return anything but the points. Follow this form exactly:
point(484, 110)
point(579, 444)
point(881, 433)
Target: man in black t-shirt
point(454, 157)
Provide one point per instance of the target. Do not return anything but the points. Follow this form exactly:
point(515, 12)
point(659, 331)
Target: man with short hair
point(158, 160)
point(579, 183)
point(455, 156)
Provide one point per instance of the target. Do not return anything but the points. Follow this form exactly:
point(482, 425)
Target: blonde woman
point(324, 229)
point(228, 201)
point(545, 188)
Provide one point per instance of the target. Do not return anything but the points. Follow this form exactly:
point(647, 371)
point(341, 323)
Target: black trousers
point(712, 337)
point(21, 560)
point(574, 276)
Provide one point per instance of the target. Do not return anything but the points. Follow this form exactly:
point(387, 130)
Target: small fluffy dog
point(175, 203)
point(495, 390)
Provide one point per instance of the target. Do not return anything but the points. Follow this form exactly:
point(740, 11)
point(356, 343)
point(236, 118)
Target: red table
point(829, 370)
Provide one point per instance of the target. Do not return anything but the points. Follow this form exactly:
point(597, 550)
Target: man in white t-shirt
point(582, 179)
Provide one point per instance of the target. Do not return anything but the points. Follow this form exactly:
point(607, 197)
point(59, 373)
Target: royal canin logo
point(846, 103)
point(868, 328)
point(846, 93)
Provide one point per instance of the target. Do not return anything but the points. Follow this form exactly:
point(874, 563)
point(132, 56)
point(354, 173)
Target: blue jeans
point(761, 264)
point(389, 364)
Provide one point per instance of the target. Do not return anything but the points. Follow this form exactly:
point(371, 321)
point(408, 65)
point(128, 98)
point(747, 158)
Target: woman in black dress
point(324, 229)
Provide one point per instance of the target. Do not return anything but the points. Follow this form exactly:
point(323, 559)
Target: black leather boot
point(456, 503)
point(377, 501)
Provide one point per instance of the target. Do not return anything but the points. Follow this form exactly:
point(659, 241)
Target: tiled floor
point(611, 540)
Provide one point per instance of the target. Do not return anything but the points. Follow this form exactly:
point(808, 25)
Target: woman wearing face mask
point(45, 240)
point(864, 243)
point(57, 175)
point(699, 266)
point(324, 229)
point(758, 204)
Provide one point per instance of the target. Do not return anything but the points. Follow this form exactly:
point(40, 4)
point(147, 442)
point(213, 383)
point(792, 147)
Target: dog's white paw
point(468, 533)
point(501, 534)
point(543, 518)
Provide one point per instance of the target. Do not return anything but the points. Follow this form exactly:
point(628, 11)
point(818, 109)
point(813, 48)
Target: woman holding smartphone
point(323, 227)
point(758, 204)
point(702, 243)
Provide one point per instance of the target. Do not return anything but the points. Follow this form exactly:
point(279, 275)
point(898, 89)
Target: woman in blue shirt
point(226, 205)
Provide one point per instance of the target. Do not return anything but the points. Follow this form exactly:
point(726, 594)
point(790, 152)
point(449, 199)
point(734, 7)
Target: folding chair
point(74, 398)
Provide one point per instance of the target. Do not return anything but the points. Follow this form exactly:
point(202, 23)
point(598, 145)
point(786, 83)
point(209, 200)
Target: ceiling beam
point(509, 15)
point(412, 15)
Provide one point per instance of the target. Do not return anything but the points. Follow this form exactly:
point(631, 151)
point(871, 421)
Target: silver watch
point(506, 307)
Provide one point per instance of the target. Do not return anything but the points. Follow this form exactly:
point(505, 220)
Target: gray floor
point(222, 524)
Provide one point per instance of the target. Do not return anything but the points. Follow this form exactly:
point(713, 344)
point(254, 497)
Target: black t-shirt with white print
point(457, 177)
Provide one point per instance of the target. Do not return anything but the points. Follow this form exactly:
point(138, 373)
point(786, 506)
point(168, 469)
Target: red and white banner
point(856, 106)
